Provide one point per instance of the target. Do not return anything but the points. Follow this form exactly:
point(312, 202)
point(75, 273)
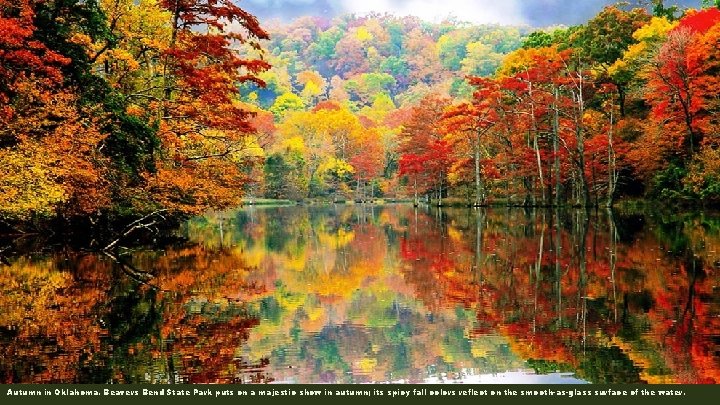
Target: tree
point(23, 58)
point(605, 38)
point(366, 158)
point(203, 129)
point(679, 84)
point(285, 103)
point(467, 126)
point(424, 155)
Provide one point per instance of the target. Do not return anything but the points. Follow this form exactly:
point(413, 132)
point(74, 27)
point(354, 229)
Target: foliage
point(125, 107)
point(124, 104)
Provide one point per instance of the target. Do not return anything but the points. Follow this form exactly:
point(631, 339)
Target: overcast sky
point(529, 12)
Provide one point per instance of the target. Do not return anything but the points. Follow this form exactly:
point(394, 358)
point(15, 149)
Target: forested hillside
point(622, 106)
point(341, 92)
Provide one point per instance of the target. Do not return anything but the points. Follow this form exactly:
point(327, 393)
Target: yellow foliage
point(252, 148)
point(80, 39)
point(657, 29)
point(55, 158)
point(253, 257)
point(522, 59)
point(366, 365)
point(294, 144)
point(335, 166)
point(28, 185)
point(647, 35)
point(336, 240)
point(706, 168)
point(290, 302)
point(121, 56)
point(22, 279)
point(455, 234)
point(143, 33)
point(363, 35)
point(295, 263)
point(311, 90)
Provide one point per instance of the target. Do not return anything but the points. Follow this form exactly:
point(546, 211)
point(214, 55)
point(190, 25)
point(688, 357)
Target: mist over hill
point(535, 13)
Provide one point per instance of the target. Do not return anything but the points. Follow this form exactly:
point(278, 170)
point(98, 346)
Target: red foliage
point(203, 59)
point(699, 20)
point(21, 56)
point(328, 105)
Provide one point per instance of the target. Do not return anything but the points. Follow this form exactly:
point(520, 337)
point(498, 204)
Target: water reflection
point(353, 294)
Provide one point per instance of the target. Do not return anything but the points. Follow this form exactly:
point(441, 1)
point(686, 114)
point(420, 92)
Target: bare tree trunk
point(612, 168)
point(556, 147)
point(558, 270)
point(440, 190)
point(584, 197)
point(538, 266)
point(479, 222)
point(536, 147)
point(416, 202)
point(167, 86)
point(540, 170)
point(478, 183)
point(613, 257)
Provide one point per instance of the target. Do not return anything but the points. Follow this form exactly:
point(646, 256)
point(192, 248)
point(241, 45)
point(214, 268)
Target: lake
point(364, 293)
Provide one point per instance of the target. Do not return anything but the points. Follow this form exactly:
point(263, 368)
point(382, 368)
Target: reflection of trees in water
point(90, 322)
point(555, 284)
point(367, 293)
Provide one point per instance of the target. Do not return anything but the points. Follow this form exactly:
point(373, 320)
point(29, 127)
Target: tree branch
point(135, 225)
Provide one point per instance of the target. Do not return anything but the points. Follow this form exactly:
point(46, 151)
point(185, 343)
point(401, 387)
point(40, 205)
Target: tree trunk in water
point(479, 221)
point(613, 257)
point(558, 269)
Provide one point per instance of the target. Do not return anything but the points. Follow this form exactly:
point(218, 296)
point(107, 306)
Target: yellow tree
point(179, 63)
point(55, 166)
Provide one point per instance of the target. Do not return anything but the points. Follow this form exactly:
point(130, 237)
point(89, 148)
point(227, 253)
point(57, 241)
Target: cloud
point(538, 13)
point(541, 13)
point(286, 10)
point(478, 11)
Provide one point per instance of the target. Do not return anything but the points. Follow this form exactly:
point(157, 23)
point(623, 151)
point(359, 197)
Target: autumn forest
point(357, 198)
point(118, 108)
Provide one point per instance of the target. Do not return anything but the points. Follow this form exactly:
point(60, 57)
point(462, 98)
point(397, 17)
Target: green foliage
point(667, 184)
point(605, 38)
point(461, 89)
point(324, 47)
point(660, 10)
point(609, 365)
point(284, 176)
point(538, 39)
point(367, 85)
point(396, 66)
point(285, 103)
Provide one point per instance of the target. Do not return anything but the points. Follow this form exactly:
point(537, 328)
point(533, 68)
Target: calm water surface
point(353, 294)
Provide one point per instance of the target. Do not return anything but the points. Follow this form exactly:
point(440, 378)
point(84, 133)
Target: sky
point(536, 13)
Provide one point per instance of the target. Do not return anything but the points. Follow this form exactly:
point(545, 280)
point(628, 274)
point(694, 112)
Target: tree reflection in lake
point(367, 293)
